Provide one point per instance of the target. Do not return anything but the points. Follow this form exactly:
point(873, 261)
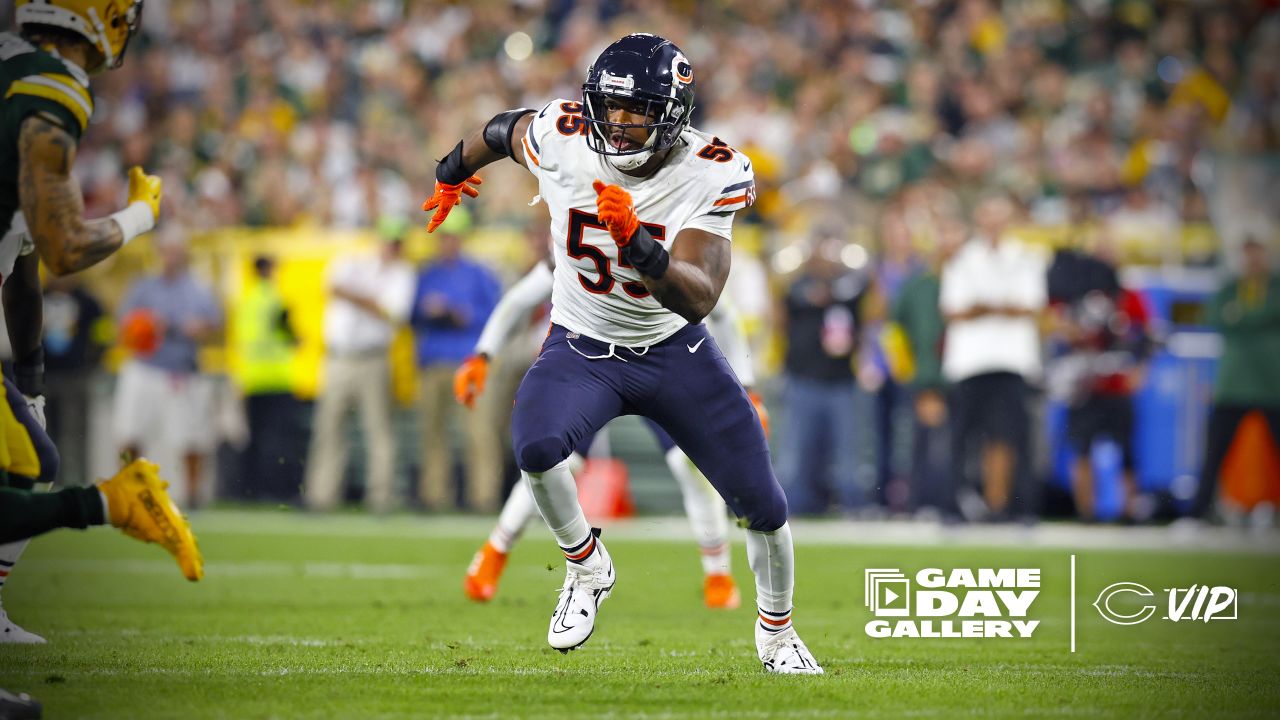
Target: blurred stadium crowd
point(1143, 132)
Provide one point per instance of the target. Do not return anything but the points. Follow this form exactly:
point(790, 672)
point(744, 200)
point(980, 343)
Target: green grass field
point(351, 617)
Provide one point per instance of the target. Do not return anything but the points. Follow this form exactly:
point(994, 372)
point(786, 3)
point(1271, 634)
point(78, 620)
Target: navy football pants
point(684, 384)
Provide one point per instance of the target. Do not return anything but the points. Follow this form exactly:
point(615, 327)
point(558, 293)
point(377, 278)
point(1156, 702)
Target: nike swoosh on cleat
point(694, 347)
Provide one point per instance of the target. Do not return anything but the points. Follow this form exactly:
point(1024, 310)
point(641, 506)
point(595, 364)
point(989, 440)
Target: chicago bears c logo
point(681, 70)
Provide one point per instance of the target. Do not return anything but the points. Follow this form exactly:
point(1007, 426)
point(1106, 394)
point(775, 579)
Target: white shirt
point(593, 293)
point(1009, 274)
point(535, 288)
point(352, 330)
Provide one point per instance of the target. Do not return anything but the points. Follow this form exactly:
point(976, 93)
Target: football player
point(705, 509)
point(44, 78)
point(644, 207)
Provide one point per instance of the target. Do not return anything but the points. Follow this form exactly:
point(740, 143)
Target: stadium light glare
point(518, 46)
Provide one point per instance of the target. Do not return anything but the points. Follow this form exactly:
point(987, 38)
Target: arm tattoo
point(52, 203)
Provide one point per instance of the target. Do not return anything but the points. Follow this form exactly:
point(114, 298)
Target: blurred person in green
point(1246, 311)
point(262, 342)
point(917, 315)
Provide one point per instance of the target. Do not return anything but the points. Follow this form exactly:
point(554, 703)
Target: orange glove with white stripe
point(616, 210)
point(761, 411)
point(468, 381)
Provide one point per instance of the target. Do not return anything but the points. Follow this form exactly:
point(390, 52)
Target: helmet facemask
point(110, 27)
point(665, 118)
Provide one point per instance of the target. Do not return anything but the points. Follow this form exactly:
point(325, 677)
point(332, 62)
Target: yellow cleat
point(139, 504)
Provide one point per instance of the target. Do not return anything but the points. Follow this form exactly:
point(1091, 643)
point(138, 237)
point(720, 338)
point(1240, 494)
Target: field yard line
point(1073, 602)
point(1068, 536)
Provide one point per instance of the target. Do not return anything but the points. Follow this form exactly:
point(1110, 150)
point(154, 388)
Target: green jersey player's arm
point(696, 275)
point(52, 203)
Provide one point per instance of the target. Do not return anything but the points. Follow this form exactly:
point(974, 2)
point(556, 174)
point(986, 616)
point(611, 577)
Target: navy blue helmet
point(639, 69)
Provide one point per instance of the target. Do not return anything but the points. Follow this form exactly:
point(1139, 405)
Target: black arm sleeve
point(497, 134)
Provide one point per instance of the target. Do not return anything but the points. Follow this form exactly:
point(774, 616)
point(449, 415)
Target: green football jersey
point(34, 80)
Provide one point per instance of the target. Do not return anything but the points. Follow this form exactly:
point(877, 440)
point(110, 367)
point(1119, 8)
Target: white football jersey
point(701, 185)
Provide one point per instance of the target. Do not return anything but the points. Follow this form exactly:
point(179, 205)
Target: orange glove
point(446, 196)
point(616, 211)
point(468, 381)
point(758, 403)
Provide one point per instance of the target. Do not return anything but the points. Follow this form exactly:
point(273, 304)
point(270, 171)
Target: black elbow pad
point(497, 134)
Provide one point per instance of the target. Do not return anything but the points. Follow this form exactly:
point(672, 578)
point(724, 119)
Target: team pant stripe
point(715, 549)
point(576, 556)
point(773, 622)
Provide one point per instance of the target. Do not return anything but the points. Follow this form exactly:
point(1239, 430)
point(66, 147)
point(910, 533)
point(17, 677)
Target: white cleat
point(785, 653)
point(574, 618)
point(11, 633)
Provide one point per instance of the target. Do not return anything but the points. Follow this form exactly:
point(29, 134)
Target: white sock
point(706, 510)
point(515, 516)
point(9, 554)
point(557, 498)
point(773, 562)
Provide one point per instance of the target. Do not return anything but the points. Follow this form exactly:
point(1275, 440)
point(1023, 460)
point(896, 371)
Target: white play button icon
point(890, 596)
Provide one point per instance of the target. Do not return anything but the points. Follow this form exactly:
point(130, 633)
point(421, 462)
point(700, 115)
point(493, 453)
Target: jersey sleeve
point(538, 137)
point(731, 191)
point(46, 85)
point(528, 293)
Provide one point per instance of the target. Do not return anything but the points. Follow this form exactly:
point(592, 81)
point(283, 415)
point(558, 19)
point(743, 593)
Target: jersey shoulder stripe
point(50, 87)
point(42, 80)
point(740, 194)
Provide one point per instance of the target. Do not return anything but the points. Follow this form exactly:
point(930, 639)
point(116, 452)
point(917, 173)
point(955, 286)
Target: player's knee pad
point(766, 512)
point(542, 454)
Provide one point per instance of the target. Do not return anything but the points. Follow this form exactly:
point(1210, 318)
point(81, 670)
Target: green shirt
point(916, 310)
point(34, 80)
point(1248, 316)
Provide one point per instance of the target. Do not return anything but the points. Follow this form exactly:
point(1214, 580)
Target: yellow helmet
point(106, 24)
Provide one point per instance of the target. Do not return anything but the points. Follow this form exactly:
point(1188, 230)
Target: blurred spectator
point(897, 265)
point(991, 294)
point(163, 403)
point(454, 298)
point(73, 344)
point(262, 339)
point(821, 322)
point(1106, 332)
point(917, 313)
point(1247, 313)
point(369, 296)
